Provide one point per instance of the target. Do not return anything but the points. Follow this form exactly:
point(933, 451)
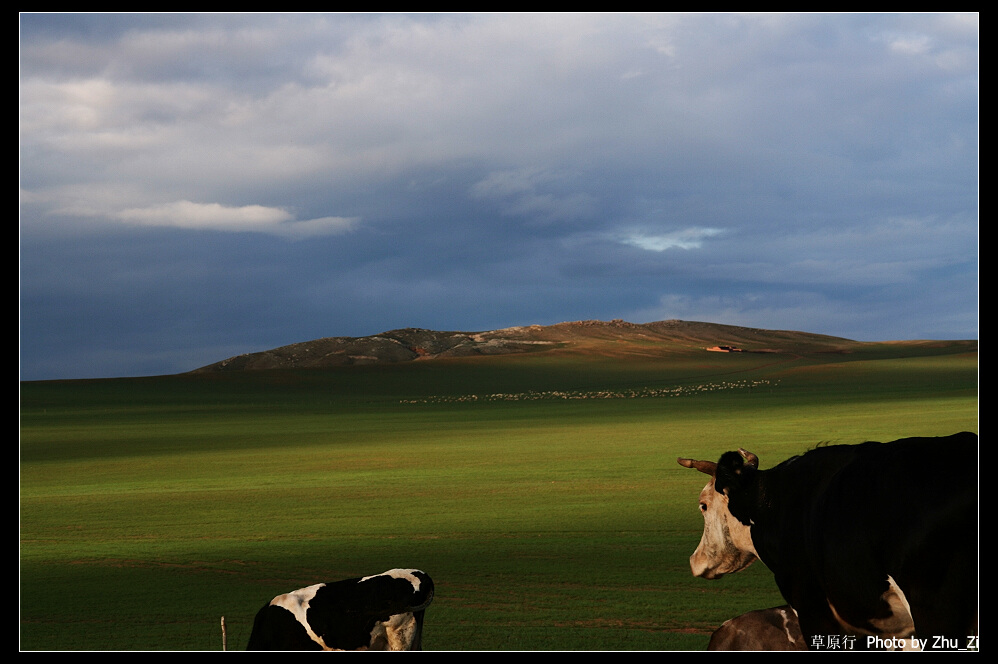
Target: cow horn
point(750, 459)
point(706, 467)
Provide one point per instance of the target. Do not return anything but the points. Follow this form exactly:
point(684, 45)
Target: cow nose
point(697, 565)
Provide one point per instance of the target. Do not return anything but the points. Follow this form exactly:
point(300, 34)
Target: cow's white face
point(726, 545)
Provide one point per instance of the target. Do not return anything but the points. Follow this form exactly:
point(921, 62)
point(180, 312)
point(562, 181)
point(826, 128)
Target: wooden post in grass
point(223, 633)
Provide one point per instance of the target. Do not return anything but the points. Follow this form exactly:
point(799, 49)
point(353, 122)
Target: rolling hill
point(616, 338)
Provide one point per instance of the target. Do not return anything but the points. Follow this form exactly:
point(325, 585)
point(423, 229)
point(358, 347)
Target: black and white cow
point(775, 629)
point(380, 612)
point(874, 539)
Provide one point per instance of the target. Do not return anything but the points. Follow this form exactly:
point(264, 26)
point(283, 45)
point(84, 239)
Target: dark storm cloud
point(194, 186)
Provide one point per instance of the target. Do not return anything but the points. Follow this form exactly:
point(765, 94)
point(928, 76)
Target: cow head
point(726, 545)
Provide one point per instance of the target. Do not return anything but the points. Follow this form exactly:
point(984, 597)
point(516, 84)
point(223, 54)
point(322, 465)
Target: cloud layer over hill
point(199, 186)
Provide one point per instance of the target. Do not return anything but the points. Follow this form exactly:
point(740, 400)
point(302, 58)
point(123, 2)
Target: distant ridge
point(615, 338)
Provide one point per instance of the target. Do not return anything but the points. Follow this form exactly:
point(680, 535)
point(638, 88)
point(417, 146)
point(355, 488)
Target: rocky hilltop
point(608, 338)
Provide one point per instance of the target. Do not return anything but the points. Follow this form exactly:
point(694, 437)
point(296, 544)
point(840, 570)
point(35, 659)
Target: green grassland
point(541, 492)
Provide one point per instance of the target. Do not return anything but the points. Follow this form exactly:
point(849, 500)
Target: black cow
point(870, 540)
point(765, 629)
point(380, 612)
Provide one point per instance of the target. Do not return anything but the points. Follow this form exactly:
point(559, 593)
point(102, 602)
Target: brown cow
point(765, 629)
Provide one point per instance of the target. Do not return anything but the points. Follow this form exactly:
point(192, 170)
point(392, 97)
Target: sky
point(196, 186)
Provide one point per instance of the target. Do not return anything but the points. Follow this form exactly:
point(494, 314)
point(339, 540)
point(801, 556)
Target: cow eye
point(703, 507)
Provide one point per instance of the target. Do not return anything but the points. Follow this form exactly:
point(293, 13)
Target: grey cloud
point(803, 170)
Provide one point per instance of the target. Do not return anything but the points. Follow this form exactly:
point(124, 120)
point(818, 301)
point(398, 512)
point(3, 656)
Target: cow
point(875, 541)
point(765, 629)
point(380, 612)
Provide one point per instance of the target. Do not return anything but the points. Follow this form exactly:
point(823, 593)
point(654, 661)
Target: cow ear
point(733, 474)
